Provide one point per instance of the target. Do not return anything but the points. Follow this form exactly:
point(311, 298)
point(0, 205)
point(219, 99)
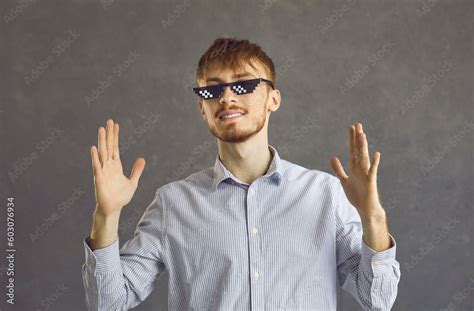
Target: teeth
point(231, 115)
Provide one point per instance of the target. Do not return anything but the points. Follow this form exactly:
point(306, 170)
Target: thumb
point(137, 170)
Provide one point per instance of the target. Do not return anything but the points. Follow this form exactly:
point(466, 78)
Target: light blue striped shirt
point(279, 243)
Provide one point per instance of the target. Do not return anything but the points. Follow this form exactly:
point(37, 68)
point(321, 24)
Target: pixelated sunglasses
point(238, 87)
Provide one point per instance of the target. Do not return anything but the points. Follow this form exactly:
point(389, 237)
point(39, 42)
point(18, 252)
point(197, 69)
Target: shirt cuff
point(377, 262)
point(102, 260)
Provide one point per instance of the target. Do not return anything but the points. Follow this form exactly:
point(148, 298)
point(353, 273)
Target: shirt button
point(256, 275)
point(254, 231)
point(376, 263)
point(252, 191)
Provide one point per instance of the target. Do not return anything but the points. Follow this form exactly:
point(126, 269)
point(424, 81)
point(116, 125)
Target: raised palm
point(113, 189)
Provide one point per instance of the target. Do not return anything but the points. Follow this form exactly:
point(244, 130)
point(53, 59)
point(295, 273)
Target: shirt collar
point(273, 174)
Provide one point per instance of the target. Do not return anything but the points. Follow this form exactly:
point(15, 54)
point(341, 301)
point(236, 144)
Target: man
point(252, 232)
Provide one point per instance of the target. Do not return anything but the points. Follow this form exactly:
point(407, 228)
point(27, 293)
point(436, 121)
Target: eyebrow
point(235, 76)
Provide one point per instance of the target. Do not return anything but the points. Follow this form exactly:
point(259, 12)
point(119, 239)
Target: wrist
point(98, 213)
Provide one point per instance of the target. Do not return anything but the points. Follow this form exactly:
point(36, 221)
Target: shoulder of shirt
point(197, 180)
point(298, 172)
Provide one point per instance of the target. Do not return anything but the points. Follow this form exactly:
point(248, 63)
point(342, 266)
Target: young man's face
point(254, 107)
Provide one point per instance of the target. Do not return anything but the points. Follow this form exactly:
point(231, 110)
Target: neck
point(247, 160)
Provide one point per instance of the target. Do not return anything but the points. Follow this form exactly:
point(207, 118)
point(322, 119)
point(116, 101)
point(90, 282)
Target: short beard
point(235, 135)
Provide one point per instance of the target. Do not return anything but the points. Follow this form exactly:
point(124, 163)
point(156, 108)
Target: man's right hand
point(113, 190)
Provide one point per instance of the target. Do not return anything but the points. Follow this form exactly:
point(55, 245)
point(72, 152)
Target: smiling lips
point(230, 115)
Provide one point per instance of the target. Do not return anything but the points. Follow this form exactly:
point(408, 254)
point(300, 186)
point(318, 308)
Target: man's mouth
point(230, 117)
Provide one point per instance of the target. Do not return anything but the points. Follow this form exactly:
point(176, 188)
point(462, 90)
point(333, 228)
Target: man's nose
point(227, 95)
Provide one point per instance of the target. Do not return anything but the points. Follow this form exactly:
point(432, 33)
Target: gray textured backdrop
point(402, 68)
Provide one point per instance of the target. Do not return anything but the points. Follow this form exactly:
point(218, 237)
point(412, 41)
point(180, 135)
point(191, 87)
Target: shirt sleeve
point(370, 277)
point(121, 279)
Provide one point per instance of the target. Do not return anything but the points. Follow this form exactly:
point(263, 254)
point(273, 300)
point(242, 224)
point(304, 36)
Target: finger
point(364, 152)
point(374, 167)
point(102, 148)
point(116, 153)
point(352, 151)
point(364, 149)
point(137, 170)
point(338, 169)
point(110, 138)
point(96, 167)
point(357, 144)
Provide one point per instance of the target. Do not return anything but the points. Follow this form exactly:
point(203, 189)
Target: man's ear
point(275, 100)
